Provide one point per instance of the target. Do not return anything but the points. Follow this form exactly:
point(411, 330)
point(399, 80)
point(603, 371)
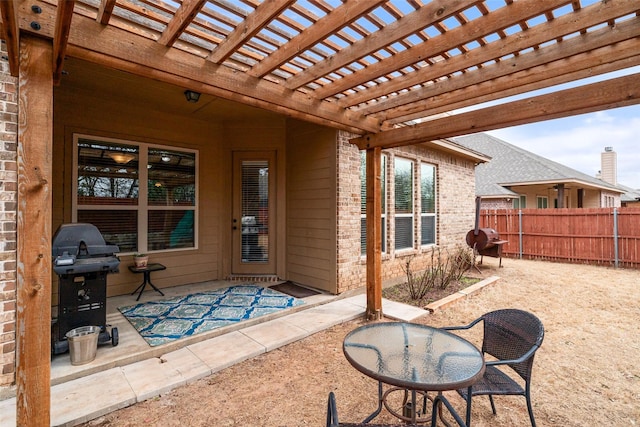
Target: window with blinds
point(363, 202)
point(403, 176)
point(142, 198)
point(427, 204)
point(255, 211)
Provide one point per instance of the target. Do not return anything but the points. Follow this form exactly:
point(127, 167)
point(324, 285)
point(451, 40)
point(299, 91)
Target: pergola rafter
point(365, 66)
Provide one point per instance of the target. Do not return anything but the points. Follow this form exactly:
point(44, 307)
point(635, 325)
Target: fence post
point(520, 232)
point(615, 236)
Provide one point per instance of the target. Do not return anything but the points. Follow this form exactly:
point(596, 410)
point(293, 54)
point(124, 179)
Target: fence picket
point(568, 235)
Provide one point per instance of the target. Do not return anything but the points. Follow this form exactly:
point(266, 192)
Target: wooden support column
point(374, 249)
point(33, 294)
point(560, 197)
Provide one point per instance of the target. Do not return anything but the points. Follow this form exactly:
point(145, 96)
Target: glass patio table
point(413, 357)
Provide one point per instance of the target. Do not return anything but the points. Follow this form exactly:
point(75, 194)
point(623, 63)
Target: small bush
point(442, 271)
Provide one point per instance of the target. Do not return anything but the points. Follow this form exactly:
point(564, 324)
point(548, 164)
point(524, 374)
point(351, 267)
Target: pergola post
point(33, 293)
point(374, 250)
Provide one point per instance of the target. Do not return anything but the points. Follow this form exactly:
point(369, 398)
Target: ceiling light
point(121, 158)
point(165, 158)
point(192, 96)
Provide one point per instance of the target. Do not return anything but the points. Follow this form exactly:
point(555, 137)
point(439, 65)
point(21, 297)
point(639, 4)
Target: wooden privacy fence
point(602, 236)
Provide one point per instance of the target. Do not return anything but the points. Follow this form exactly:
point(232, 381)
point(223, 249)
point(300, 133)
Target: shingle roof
point(511, 165)
point(630, 195)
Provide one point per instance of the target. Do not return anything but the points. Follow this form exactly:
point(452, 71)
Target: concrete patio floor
point(133, 371)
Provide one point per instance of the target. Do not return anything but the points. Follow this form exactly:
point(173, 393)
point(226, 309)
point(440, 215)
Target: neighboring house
point(516, 178)
point(215, 190)
point(631, 198)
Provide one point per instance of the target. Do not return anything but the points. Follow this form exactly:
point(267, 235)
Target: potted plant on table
point(140, 260)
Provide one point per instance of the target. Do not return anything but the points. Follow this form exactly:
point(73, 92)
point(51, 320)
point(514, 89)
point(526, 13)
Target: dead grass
point(585, 373)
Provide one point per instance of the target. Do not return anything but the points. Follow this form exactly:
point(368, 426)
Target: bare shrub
point(443, 269)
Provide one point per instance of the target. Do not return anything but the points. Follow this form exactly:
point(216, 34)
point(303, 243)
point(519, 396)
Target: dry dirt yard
point(586, 372)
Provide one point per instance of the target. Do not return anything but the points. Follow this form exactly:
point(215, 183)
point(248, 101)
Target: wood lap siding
point(569, 235)
point(311, 215)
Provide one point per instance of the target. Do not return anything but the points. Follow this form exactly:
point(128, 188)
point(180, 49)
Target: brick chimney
point(609, 165)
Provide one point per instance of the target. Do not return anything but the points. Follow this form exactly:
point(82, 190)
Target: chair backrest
point(511, 333)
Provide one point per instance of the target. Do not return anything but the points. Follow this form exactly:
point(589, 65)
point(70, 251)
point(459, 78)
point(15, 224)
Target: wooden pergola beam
point(105, 10)
point(618, 92)
point(567, 50)
point(491, 23)
point(11, 34)
point(559, 27)
point(374, 230)
point(345, 14)
point(421, 18)
point(589, 64)
point(35, 178)
point(64, 13)
point(261, 16)
point(91, 41)
point(181, 20)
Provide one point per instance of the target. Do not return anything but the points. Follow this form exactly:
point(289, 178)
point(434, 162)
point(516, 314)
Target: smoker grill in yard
point(484, 241)
point(82, 260)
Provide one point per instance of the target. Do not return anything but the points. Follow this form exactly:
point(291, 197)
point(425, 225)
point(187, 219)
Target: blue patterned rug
point(163, 321)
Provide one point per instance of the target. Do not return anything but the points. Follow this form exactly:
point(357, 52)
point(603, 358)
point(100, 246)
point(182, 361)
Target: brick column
point(350, 269)
point(8, 206)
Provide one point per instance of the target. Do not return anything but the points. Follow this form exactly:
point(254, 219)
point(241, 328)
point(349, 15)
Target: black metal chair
point(512, 337)
point(332, 417)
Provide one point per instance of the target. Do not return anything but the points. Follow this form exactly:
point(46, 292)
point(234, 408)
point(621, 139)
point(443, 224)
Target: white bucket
point(83, 344)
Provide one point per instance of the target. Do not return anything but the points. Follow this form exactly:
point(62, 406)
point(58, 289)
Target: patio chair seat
point(512, 338)
point(494, 382)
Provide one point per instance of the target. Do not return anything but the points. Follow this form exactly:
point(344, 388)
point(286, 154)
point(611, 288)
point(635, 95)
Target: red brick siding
point(455, 211)
point(8, 205)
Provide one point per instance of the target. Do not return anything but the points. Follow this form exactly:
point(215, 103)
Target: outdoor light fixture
point(192, 96)
point(121, 158)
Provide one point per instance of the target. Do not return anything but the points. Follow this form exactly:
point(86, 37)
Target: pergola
point(394, 72)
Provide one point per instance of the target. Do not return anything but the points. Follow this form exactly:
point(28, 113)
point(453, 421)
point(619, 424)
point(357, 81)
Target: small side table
point(147, 277)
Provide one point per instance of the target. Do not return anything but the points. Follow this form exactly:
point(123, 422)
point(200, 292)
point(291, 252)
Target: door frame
point(238, 267)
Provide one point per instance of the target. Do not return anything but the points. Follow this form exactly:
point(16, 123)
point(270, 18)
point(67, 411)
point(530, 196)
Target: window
point(543, 202)
point(520, 202)
point(403, 174)
point(427, 204)
point(363, 202)
point(141, 197)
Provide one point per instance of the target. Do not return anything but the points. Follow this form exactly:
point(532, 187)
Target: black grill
point(82, 260)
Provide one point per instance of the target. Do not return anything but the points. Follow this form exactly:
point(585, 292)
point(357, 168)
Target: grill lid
point(80, 248)
point(82, 241)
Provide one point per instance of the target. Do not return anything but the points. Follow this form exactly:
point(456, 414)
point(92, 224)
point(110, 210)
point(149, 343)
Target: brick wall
point(455, 179)
point(8, 205)
point(496, 204)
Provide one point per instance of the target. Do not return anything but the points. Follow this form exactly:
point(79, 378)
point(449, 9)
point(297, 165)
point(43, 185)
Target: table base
point(411, 413)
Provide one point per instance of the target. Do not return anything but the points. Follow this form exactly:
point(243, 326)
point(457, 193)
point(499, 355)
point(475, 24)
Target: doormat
point(163, 321)
point(294, 290)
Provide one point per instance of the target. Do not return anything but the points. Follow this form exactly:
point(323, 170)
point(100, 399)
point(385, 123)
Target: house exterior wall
point(319, 184)
point(85, 113)
point(506, 203)
point(455, 194)
point(592, 198)
point(8, 225)
point(311, 206)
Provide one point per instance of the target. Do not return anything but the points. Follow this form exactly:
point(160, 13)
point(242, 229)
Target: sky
point(578, 141)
